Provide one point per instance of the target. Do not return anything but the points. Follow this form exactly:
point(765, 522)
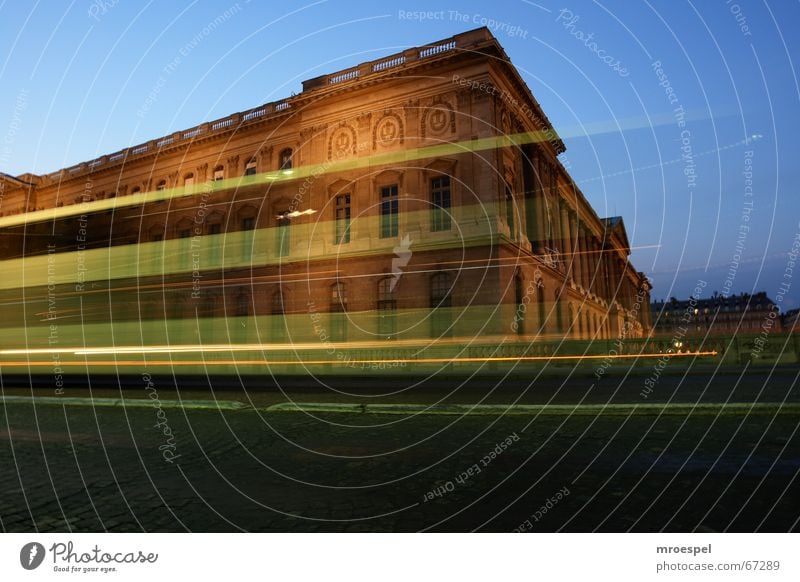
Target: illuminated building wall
point(415, 196)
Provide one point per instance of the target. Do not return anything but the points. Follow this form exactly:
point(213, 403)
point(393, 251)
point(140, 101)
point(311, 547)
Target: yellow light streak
point(349, 362)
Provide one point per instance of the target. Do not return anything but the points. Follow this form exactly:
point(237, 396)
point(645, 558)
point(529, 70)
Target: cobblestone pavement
point(78, 468)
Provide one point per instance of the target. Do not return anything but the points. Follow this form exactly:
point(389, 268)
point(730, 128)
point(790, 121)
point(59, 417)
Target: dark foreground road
point(80, 468)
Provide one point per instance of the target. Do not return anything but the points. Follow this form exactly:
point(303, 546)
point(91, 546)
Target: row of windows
point(250, 168)
point(440, 200)
point(440, 298)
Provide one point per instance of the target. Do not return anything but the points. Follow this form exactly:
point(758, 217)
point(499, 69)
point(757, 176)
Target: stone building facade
point(419, 195)
point(737, 314)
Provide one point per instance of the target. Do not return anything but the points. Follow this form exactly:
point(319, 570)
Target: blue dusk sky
point(682, 117)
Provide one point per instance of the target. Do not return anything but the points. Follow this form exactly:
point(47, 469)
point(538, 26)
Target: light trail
point(314, 171)
point(350, 362)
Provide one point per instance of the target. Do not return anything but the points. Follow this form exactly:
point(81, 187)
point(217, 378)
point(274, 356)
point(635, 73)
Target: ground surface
point(583, 468)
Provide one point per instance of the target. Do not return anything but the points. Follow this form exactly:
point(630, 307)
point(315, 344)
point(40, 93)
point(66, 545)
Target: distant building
point(717, 315)
point(791, 320)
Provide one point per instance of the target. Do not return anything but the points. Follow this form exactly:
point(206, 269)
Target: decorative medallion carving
point(388, 131)
point(342, 142)
point(438, 120)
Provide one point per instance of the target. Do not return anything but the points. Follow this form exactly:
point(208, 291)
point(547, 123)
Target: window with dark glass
point(184, 248)
point(242, 305)
point(519, 316)
point(342, 219)
point(278, 317)
point(247, 225)
point(250, 167)
point(389, 209)
point(440, 304)
point(440, 201)
point(509, 196)
point(338, 308)
point(285, 159)
point(387, 309)
point(214, 245)
point(284, 233)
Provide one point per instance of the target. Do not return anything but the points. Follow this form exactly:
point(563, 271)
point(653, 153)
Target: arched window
point(210, 305)
point(284, 233)
point(338, 297)
point(285, 159)
point(540, 302)
point(162, 185)
point(389, 210)
point(183, 230)
point(135, 190)
point(509, 199)
point(156, 233)
point(277, 309)
point(440, 203)
point(247, 224)
point(441, 303)
point(557, 306)
point(242, 304)
point(387, 308)
point(572, 323)
point(188, 179)
point(342, 219)
point(338, 308)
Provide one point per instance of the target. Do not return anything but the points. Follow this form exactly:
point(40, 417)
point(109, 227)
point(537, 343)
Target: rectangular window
point(284, 234)
point(342, 219)
point(440, 201)
point(278, 319)
point(389, 208)
point(184, 248)
point(215, 245)
point(387, 309)
point(248, 224)
point(338, 315)
point(250, 168)
point(219, 174)
point(510, 210)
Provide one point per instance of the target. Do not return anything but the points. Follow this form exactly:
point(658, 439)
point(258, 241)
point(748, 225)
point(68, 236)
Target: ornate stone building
point(419, 195)
point(742, 314)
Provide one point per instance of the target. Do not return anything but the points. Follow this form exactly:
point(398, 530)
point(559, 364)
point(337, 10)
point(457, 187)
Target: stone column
point(566, 251)
point(594, 265)
point(580, 254)
point(541, 197)
point(585, 256)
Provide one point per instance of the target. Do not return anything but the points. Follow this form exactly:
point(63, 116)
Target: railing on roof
point(253, 115)
point(437, 49)
point(388, 63)
point(344, 76)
